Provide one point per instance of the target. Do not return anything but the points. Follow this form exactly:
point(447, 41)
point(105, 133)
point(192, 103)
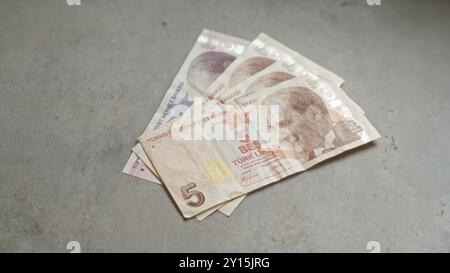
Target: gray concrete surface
point(79, 83)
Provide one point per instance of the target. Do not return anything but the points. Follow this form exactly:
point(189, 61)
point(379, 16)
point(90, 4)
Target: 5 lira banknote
point(316, 120)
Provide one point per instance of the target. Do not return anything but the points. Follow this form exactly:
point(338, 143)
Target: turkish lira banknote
point(223, 68)
point(317, 121)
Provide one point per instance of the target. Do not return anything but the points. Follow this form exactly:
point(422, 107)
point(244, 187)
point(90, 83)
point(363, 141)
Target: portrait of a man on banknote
point(206, 67)
point(307, 128)
point(248, 68)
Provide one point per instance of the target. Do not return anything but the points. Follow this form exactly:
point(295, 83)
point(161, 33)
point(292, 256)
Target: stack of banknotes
point(239, 116)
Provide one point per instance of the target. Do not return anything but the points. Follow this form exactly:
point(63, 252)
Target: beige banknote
point(209, 57)
point(263, 54)
point(201, 174)
point(200, 77)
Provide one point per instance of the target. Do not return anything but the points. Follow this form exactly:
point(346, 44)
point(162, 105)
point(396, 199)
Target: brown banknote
point(206, 67)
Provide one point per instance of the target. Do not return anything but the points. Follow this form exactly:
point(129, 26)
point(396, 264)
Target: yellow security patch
point(217, 171)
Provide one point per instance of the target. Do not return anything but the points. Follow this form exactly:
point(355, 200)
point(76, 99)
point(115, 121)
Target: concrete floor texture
point(78, 84)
